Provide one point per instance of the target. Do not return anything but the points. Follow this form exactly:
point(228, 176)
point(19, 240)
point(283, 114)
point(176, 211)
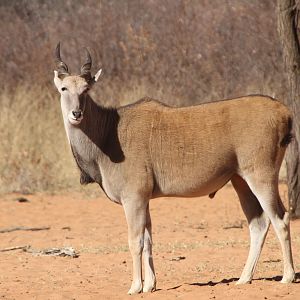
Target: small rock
point(21, 200)
point(66, 228)
point(178, 258)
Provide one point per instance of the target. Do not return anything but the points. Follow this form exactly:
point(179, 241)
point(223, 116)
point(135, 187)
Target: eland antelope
point(147, 150)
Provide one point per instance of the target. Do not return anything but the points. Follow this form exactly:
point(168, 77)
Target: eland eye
point(63, 89)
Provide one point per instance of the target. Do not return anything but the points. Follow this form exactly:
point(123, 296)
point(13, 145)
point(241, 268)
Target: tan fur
point(206, 143)
point(148, 149)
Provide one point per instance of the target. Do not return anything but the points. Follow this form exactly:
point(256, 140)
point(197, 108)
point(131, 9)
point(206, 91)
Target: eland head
point(73, 88)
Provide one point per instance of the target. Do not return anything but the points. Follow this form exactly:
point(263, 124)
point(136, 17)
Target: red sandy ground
point(191, 228)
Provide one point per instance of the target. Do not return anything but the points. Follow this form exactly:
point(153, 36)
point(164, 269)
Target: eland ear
point(97, 75)
point(57, 80)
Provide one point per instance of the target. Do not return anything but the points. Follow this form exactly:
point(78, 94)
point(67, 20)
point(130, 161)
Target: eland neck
point(97, 134)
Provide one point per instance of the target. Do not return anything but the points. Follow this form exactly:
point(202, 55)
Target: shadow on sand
point(227, 281)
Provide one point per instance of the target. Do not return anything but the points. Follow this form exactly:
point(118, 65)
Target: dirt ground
point(197, 253)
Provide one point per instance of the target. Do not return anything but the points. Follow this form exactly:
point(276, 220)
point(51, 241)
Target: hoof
point(243, 281)
point(135, 289)
point(288, 279)
point(149, 288)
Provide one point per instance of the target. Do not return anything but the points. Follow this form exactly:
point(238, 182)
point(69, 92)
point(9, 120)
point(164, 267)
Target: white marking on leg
point(150, 280)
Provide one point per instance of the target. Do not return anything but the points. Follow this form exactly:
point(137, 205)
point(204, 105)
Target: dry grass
point(34, 151)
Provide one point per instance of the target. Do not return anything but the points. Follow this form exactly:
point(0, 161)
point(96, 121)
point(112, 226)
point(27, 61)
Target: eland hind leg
point(258, 226)
point(265, 187)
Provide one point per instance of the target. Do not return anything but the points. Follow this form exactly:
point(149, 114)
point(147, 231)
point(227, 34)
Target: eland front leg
point(136, 216)
point(150, 280)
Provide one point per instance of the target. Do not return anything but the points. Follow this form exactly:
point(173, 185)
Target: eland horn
point(86, 67)
point(62, 68)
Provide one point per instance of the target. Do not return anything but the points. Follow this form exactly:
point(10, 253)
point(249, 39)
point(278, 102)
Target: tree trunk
point(287, 14)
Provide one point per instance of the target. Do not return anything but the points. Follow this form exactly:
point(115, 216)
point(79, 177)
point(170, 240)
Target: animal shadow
point(209, 283)
point(227, 281)
point(213, 283)
point(278, 278)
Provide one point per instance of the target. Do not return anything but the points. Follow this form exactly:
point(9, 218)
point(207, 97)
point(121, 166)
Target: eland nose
point(77, 114)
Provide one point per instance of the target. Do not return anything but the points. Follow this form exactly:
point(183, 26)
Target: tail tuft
point(289, 136)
